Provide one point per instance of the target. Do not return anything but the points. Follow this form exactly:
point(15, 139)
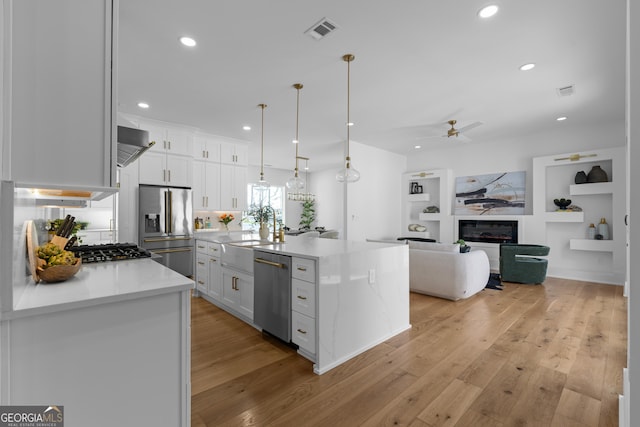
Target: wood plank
point(527, 355)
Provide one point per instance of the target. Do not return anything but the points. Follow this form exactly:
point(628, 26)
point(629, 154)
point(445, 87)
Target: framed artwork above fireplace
point(491, 194)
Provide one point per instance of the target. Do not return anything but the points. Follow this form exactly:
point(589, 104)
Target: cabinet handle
point(164, 175)
point(204, 155)
point(200, 262)
point(201, 282)
point(213, 260)
point(207, 201)
point(302, 331)
point(169, 144)
point(207, 154)
point(301, 297)
point(201, 247)
point(302, 269)
point(169, 175)
point(234, 283)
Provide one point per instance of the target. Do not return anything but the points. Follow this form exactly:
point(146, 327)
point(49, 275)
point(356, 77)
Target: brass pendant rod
point(348, 58)
point(263, 106)
point(297, 86)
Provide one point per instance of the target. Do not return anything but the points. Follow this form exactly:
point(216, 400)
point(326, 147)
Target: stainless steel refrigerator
point(166, 225)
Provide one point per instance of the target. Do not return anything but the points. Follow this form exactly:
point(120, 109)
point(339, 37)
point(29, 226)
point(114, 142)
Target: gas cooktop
point(109, 252)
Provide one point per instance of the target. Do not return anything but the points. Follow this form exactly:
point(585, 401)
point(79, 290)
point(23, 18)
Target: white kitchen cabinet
point(206, 148)
point(303, 305)
point(158, 168)
point(206, 185)
point(233, 187)
point(168, 139)
point(202, 272)
point(61, 101)
point(237, 292)
point(208, 269)
point(215, 279)
point(234, 154)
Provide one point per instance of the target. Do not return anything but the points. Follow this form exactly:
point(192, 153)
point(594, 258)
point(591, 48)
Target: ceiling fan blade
point(470, 126)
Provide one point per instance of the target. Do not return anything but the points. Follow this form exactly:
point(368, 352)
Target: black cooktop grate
point(109, 252)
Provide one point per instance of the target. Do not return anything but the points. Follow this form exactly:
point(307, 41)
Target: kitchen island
point(111, 345)
point(360, 291)
point(346, 296)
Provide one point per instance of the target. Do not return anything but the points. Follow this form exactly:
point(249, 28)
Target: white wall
point(633, 346)
point(374, 203)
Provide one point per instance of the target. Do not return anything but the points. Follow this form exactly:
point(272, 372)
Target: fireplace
point(488, 231)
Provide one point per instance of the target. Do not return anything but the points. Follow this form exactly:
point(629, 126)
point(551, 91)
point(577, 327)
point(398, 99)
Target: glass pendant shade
point(295, 183)
point(348, 173)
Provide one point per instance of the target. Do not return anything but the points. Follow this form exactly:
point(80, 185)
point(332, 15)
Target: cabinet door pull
point(164, 175)
point(301, 297)
point(201, 282)
point(204, 156)
point(213, 260)
point(302, 269)
point(169, 144)
point(302, 331)
point(201, 247)
point(200, 262)
point(169, 175)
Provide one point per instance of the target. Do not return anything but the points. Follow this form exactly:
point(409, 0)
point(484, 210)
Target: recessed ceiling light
point(143, 105)
point(417, 147)
point(187, 41)
point(527, 67)
point(295, 141)
point(488, 11)
point(560, 119)
point(350, 124)
point(246, 127)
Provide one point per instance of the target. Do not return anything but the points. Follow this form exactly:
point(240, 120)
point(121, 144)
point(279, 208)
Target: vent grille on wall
point(566, 91)
point(321, 29)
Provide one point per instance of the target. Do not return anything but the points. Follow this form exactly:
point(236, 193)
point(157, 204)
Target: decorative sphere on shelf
point(562, 203)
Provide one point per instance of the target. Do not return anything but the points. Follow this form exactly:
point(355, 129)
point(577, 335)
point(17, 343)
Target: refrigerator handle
point(166, 212)
point(170, 223)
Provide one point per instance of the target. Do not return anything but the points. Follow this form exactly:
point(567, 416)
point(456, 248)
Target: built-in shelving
point(592, 188)
point(564, 216)
point(437, 191)
point(591, 245)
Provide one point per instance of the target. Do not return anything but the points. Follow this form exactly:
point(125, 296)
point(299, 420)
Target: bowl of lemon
point(56, 264)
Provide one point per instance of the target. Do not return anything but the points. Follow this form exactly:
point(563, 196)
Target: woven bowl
point(58, 273)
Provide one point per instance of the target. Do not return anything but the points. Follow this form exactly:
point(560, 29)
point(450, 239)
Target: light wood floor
point(549, 355)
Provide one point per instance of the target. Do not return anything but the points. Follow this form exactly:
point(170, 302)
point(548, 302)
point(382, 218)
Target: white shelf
point(592, 188)
point(421, 197)
point(423, 234)
point(591, 245)
point(430, 216)
point(564, 216)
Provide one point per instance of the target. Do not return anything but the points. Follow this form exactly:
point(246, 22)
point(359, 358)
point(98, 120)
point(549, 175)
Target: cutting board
point(32, 244)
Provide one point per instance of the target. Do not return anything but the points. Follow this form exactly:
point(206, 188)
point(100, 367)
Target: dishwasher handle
point(271, 263)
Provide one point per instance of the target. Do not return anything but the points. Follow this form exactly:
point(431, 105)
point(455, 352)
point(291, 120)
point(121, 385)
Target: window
point(274, 197)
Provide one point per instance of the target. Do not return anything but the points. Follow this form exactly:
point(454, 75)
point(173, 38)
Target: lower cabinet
point(237, 291)
point(303, 306)
point(208, 269)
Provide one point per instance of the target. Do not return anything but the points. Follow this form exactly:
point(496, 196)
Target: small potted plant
point(261, 215)
point(464, 248)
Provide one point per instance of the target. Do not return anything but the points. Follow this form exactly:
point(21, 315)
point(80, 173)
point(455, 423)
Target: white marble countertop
point(314, 247)
point(100, 283)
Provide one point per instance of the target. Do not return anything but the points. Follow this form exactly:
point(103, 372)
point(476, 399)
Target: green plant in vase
point(308, 214)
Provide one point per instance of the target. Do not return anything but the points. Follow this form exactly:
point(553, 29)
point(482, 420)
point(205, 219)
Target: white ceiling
point(418, 64)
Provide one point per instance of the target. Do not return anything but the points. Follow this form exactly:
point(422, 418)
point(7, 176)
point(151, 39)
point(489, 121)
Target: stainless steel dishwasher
point(272, 293)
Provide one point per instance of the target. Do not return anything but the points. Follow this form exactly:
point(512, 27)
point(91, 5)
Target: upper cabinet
point(234, 154)
point(206, 149)
point(61, 101)
point(169, 140)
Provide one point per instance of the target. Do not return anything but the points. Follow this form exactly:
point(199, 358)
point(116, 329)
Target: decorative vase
point(581, 177)
point(603, 229)
point(596, 174)
point(263, 231)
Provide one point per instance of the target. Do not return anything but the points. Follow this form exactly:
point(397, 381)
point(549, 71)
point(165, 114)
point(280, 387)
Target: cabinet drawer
point(202, 247)
point(303, 269)
point(303, 331)
point(303, 297)
point(214, 249)
point(202, 272)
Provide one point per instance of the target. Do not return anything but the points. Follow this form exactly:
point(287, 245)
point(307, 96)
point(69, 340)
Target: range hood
point(131, 144)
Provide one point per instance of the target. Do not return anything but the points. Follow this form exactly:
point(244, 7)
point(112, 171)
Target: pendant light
point(262, 185)
point(296, 184)
point(348, 174)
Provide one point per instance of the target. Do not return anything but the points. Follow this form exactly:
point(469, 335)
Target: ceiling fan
point(459, 132)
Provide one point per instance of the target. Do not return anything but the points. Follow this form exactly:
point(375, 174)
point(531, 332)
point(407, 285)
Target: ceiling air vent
point(566, 91)
point(321, 29)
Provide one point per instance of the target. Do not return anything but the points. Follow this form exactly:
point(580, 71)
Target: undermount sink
point(247, 243)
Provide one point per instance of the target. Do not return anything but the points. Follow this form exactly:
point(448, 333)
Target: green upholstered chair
point(519, 263)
